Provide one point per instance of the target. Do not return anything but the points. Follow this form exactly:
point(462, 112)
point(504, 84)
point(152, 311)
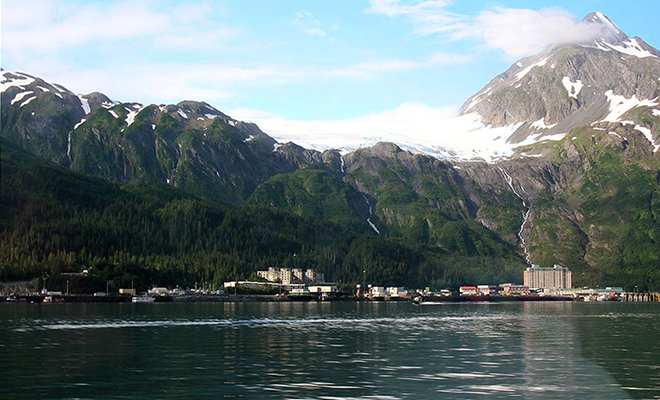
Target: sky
point(302, 70)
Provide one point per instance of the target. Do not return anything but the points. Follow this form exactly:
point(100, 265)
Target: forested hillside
point(54, 220)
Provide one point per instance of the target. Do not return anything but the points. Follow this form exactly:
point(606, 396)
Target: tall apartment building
point(291, 275)
point(557, 277)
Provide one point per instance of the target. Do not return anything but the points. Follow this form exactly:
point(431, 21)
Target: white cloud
point(523, 32)
point(306, 22)
point(517, 32)
point(156, 82)
point(49, 25)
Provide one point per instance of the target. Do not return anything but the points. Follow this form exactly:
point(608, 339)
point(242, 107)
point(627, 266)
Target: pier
point(640, 297)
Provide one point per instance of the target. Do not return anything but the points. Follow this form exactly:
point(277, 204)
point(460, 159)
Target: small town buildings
point(548, 279)
point(468, 290)
point(131, 292)
point(511, 289)
point(487, 290)
point(291, 275)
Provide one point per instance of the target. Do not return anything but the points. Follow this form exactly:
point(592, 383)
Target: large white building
point(291, 275)
point(548, 279)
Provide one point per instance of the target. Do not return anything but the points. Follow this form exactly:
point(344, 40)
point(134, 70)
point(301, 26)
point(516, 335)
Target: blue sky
point(293, 61)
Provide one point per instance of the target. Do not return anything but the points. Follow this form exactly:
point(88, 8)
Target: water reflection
point(321, 351)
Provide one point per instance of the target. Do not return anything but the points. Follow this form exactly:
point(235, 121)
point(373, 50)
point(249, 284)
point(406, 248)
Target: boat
point(143, 299)
point(299, 294)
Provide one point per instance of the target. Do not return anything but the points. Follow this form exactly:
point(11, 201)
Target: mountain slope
point(189, 145)
point(53, 220)
point(573, 85)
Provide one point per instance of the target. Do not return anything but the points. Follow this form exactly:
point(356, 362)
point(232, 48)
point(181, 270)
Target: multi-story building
point(289, 275)
point(548, 279)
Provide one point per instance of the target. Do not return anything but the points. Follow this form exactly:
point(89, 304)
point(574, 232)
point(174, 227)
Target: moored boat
point(143, 299)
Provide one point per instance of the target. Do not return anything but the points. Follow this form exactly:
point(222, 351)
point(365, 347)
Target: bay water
point(338, 350)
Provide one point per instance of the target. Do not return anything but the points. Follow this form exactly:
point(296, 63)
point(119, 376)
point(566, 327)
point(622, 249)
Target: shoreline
point(240, 298)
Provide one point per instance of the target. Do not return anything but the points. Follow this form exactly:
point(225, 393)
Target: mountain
point(582, 187)
point(190, 145)
point(606, 80)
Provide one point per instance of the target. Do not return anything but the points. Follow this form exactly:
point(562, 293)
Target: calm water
point(330, 351)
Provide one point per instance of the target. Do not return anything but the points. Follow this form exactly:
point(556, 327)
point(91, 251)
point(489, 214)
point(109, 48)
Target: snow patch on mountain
point(25, 103)
point(630, 47)
point(114, 114)
point(20, 96)
point(619, 105)
point(656, 112)
point(525, 71)
point(540, 124)
point(573, 88)
point(479, 97)
point(82, 121)
point(85, 105)
point(14, 79)
point(647, 133)
point(131, 113)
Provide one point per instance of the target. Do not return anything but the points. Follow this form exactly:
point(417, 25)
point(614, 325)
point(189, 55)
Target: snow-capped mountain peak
point(572, 85)
point(603, 29)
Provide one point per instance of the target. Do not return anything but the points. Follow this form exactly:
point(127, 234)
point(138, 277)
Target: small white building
point(378, 292)
point(397, 291)
point(159, 291)
point(322, 289)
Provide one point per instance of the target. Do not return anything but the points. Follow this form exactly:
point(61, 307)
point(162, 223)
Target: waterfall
point(525, 214)
point(371, 213)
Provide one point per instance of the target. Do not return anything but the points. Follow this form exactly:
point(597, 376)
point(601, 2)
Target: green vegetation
point(53, 220)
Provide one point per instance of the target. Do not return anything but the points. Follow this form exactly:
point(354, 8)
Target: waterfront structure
point(159, 291)
point(377, 292)
point(487, 290)
point(548, 279)
point(322, 288)
point(468, 290)
point(291, 275)
point(608, 292)
point(511, 289)
point(397, 291)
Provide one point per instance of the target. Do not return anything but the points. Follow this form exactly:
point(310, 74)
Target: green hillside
point(53, 220)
